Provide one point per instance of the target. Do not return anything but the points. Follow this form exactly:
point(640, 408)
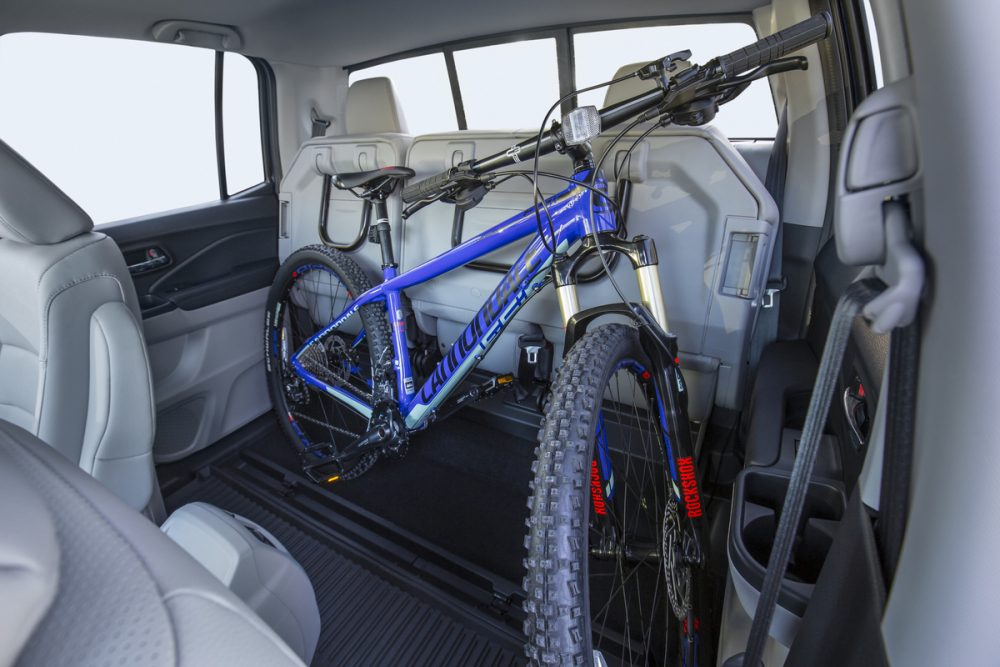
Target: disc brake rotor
point(676, 571)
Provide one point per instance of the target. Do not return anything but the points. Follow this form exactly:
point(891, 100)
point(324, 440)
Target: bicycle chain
point(342, 431)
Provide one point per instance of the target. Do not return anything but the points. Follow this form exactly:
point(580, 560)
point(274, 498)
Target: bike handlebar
point(429, 187)
point(758, 54)
point(613, 115)
point(775, 46)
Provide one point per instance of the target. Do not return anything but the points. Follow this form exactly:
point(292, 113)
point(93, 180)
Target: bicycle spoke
point(316, 284)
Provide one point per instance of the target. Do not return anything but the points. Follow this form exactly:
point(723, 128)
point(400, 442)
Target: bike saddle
point(366, 179)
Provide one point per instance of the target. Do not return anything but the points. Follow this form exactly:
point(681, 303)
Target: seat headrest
point(629, 88)
point(623, 90)
point(32, 209)
point(372, 108)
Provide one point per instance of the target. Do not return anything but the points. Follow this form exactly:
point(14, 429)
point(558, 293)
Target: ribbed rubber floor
point(366, 620)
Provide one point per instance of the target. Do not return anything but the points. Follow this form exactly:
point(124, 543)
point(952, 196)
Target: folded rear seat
point(711, 217)
point(375, 137)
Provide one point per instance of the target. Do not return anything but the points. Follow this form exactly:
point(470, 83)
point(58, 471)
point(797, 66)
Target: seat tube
point(401, 352)
point(394, 307)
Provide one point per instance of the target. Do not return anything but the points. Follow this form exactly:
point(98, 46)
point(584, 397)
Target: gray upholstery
point(632, 87)
point(376, 138)
point(73, 365)
point(372, 107)
point(124, 592)
point(32, 209)
point(29, 561)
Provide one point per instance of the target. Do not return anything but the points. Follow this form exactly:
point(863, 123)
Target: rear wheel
point(311, 288)
point(601, 506)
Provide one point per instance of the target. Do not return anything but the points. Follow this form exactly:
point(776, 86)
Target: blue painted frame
point(576, 212)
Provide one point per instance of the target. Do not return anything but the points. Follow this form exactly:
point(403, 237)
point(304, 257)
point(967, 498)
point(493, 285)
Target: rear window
point(510, 85)
point(598, 55)
point(423, 91)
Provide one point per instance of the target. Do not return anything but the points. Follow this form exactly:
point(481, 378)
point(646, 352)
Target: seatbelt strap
point(777, 164)
point(777, 168)
point(854, 299)
point(319, 124)
point(764, 328)
point(897, 456)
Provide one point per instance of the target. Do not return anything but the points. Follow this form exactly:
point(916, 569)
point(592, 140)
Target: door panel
point(208, 372)
point(203, 311)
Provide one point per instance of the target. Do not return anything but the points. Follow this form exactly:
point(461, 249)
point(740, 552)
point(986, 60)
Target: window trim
point(565, 53)
point(267, 111)
point(220, 140)
point(456, 90)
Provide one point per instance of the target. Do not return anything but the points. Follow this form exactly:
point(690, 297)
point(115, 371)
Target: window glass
point(241, 123)
point(423, 91)
point(125, 128)
point(873, 43)
point(508, 86)
point(599, 54)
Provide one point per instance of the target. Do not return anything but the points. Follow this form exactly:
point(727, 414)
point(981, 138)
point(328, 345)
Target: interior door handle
point(155, 259)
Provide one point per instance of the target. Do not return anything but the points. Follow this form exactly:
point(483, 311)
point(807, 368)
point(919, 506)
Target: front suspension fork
point(641, 252)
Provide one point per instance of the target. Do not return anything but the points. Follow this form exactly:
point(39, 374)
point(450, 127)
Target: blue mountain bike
point(616, 519)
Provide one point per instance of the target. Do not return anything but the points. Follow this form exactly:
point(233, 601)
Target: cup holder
point(759, 498)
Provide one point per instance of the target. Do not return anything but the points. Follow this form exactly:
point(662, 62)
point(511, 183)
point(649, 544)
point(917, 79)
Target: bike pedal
point(322, 478)
point(497, 383)
point(311, 468)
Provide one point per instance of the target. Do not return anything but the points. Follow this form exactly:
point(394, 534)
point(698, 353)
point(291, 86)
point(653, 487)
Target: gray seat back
point(692, 193)
point(89, 581)
point(376, 137)
point(73, 364)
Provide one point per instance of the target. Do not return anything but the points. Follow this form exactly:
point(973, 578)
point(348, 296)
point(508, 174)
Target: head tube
point(598, 213)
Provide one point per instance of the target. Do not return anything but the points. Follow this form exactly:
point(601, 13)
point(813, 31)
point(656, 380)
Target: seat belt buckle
point(773, 287)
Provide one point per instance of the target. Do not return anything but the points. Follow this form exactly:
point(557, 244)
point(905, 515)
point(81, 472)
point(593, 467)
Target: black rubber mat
point(367, 618)
point(462, 486)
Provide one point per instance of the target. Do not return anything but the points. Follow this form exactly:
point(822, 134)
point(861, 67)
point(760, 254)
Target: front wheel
point(602, 504)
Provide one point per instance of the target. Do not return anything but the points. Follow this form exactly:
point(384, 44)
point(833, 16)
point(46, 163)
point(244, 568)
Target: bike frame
point(576, 212)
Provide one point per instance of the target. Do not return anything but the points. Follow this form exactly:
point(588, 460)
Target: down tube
point(526, 277)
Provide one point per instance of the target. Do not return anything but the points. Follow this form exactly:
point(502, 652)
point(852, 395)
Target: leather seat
point(86, 580)
point(73, 364)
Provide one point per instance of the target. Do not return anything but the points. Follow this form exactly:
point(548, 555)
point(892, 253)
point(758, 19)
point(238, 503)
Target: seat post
point(382, 232)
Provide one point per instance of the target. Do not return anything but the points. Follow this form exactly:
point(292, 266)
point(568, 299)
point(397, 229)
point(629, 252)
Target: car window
point(241, 124)
point(508, 86)
point(423, 91)
point(127, 128)
point(599, 54)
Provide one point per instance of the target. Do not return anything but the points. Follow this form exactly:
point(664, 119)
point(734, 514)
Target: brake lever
point(776, 67)
point(417, 205)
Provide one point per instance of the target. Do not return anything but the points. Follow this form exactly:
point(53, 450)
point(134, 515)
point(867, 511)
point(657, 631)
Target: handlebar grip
point(426, 188)
point(775, 46)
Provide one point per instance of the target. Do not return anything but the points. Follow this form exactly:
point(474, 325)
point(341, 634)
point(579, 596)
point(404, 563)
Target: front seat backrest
point(73, 364)
point(89, 581)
